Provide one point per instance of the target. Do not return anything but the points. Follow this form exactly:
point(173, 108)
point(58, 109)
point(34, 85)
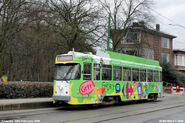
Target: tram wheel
point(153, 97)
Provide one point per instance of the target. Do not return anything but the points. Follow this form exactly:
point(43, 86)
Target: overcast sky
point(171, 12)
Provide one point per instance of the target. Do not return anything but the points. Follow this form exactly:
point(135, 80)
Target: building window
point(165, 42)
point(131, 38)
point(129, 51)
point(147, 53)
point(179, 60)
point(165, 57)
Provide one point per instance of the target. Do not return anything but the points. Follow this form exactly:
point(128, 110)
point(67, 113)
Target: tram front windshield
point(67, 71)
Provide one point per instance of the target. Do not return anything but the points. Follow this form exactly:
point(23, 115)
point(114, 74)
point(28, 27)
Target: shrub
point(13, 90)
point(171, 75)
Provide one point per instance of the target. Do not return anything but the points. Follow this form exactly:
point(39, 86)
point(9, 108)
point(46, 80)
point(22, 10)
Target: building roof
point(179, 50)
point(154, 32)
point(144, 28)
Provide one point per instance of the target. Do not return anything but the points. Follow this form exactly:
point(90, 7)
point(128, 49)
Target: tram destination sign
point(65, 58)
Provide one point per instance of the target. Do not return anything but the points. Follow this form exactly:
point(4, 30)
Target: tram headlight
point(61, 88)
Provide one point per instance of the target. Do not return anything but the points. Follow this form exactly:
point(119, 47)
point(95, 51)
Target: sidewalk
point(27, 103)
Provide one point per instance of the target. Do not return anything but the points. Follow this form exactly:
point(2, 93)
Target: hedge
point(12, 90)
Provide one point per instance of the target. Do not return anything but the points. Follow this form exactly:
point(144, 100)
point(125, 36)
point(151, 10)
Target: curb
point(32, 105)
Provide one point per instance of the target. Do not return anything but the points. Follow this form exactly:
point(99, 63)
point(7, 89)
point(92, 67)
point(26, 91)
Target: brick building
point(179, 60)
point(148, 43)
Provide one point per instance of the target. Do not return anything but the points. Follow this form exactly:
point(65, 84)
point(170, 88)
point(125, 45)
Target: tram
point(83, 78)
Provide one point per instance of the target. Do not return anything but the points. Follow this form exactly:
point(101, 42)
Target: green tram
point(105, 77)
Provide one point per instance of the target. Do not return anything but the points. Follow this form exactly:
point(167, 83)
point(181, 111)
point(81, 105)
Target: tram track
point(15, 114)
point(108, 113)
point(126, 113)
point(19, 115)
point(25, 113)
point(143, 112)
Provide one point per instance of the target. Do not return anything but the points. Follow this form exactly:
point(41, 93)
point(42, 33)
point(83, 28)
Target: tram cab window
point(87, 71)
point(143, 75)
point(117, 73)
point(126, 74)
point(135, 75)
point(106, 72)
point(96, 71)
point(156, 76)
point(68, 71)
point(149, 75)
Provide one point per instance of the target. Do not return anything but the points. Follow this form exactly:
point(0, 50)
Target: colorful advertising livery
point(92, 79)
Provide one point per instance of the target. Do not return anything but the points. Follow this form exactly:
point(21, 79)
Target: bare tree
point(14, 16)
point(123, 14)
point(10, 17)
point(33, 32)
point(76, 22)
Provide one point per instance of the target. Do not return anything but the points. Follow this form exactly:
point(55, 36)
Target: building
point(148, 43)
point(179, 60)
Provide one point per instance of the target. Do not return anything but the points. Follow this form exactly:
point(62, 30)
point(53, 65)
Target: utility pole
point(108, 40)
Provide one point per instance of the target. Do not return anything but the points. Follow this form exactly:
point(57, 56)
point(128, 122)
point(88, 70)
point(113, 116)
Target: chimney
point(157, 27)
point(135, 24)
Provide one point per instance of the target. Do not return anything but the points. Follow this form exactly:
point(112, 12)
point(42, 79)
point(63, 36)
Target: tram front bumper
point(62, 98)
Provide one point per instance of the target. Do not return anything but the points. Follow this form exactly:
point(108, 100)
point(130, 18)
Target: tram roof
point(130, 58)
point(108, 57)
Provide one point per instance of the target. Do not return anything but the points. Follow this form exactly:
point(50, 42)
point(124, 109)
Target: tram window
point(126, 74)
point(117, 73)
point(68, 71)
point(106, 72)
point(143, 75)
point(149, 76)
point(87, 71)
point(161, 77)
point(135, 74)
point(96, 71)
point(156, 76)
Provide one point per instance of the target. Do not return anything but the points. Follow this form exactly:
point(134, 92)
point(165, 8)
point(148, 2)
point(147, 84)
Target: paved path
point(26, 100)
point(13, 104)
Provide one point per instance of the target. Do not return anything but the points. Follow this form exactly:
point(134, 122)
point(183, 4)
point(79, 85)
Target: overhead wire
point(172, 21)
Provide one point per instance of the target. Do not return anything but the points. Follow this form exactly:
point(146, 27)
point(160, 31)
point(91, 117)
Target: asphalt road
point(170, 109)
